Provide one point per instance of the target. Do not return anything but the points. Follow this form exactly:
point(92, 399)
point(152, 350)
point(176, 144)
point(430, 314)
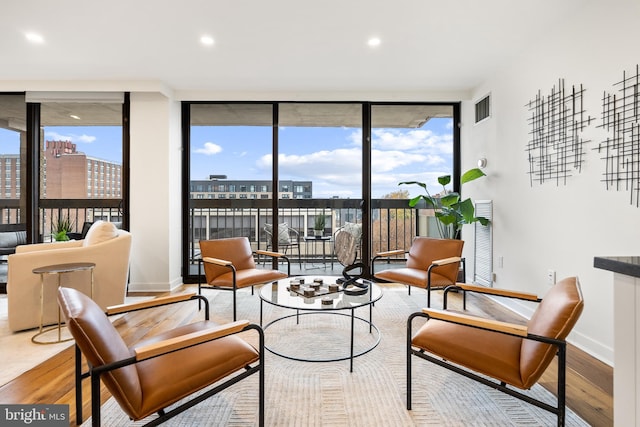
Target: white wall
point(549, 226)
point(155, 193)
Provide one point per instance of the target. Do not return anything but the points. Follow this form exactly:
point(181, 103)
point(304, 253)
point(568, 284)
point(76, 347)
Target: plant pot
point(318, 233)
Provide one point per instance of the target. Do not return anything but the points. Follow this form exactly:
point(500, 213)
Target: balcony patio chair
point(156, 373)
point(344, 248)
point(288, 239)
point(500, 354)
point(430, 264)
point(229, 265)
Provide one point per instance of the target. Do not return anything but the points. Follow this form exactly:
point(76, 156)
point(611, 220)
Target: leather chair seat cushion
point(489, 353)
point(169, 378)
point(413, 277)
point(248, 277)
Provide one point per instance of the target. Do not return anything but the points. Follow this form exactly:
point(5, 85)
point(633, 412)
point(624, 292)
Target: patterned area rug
point(327, 394)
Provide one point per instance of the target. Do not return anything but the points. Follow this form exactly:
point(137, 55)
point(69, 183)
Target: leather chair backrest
point(100, 343)
point(554, 317)
point(424, 250)
point(234, 249)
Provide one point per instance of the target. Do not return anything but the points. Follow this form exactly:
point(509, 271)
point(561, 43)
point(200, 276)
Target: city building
point(71, 174)
point(222, 188)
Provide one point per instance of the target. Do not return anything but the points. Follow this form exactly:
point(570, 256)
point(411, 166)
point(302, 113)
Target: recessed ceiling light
point(73, 116)
point(206, 40)
point(34, 38)
point(374, 41)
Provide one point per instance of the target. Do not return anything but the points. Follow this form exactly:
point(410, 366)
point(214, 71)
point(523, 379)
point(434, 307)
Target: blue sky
point(329, 157)
point(103, 142)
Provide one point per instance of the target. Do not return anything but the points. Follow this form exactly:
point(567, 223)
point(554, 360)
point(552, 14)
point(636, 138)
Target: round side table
point(59, 270)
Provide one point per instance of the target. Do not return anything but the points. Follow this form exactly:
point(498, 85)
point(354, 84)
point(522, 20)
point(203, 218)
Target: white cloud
point(417, 140)
point(209, 149)
point(397, 155)
point(88, 139)
point(55, 136)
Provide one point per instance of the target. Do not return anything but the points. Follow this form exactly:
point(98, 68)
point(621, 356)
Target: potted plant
point(318, 227)
point(62, 226)
point(452, 212)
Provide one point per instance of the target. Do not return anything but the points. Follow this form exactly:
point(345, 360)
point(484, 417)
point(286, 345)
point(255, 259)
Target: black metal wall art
point(621, 151)
point(556, 149)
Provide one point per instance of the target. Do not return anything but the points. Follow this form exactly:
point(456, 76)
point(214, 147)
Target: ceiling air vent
point(483, 109)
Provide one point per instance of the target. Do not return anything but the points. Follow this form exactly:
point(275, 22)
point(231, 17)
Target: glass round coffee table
point(325, 301)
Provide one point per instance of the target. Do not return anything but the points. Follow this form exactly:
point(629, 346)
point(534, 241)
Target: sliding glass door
point(288, 175)
point(230, 173)
point(320, 174)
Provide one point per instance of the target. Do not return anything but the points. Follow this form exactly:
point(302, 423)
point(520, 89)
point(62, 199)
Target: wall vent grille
point(483, 245)
point(483, 109)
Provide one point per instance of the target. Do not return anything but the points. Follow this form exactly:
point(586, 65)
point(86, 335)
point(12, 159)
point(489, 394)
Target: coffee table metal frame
point(304, 306)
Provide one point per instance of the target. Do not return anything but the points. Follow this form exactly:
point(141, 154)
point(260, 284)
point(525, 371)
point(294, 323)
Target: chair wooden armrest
point(391, 253)
point(497, 292)
point(188, 340)
point(269, 253)
point(446, 261)
point(150, 303)
point(465, 319)
point(217, 261)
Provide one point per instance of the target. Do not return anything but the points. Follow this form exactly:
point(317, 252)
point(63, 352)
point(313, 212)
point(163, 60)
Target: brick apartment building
point(70, 174)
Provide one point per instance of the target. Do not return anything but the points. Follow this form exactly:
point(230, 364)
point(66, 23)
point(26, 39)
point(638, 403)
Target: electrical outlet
point(551, 277)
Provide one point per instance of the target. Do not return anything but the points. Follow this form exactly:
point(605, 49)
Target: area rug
point(327, 394)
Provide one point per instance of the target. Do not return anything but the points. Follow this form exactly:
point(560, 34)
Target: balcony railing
point(78, 211)
point(393, 223)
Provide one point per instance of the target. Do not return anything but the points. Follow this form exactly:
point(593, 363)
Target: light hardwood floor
point(589, 381)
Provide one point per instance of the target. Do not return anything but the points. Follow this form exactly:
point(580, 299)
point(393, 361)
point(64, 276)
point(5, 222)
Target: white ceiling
point(273, 45)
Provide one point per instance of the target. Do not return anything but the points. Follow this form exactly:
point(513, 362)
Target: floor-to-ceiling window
point(319, 168)
point(12, 159)
point(230, 171)
point(81, 145)
point(409, 142)
point(341, 161)
point(75, 145)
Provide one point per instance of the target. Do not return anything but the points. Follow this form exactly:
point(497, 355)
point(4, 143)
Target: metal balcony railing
point(393, 223)
point(78, 211)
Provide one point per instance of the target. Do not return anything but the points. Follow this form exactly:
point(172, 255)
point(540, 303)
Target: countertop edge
point(628, 265)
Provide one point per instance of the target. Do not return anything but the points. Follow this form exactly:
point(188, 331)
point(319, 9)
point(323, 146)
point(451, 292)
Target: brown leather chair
point(163, 369)
point(229, 265)
point(503, 353)
point(430, 264)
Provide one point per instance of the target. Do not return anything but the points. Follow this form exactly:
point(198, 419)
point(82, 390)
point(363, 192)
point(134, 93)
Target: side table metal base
point(58, 270)
point(35, 340)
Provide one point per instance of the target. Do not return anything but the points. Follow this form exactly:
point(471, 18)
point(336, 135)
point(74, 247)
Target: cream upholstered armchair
point(104, 245)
